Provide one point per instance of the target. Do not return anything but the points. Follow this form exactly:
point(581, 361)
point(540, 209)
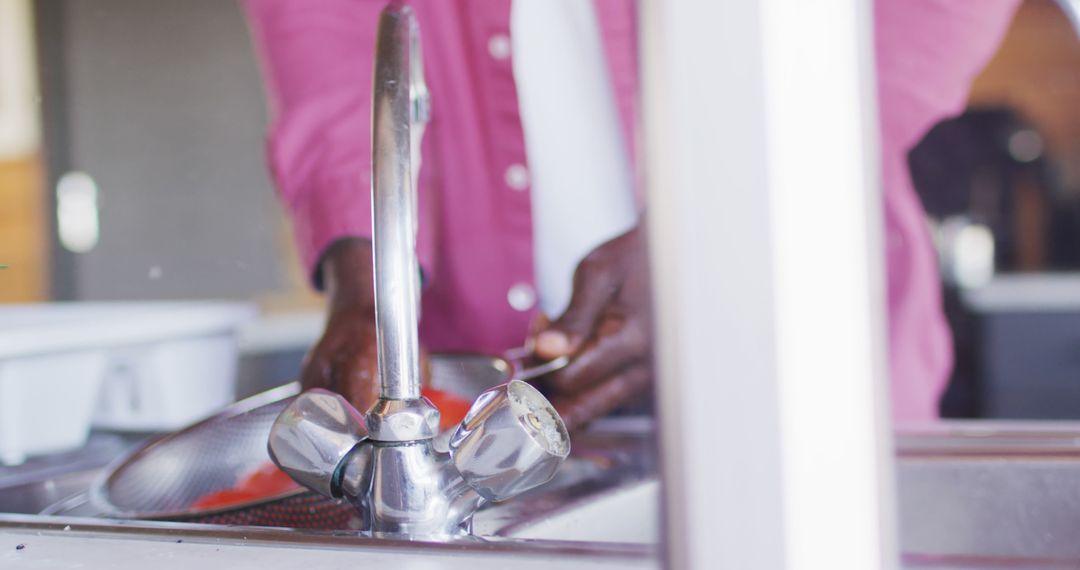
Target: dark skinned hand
point(606, 332)
point(345, 358)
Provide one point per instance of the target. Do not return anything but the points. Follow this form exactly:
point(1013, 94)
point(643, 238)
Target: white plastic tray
point(124, 366)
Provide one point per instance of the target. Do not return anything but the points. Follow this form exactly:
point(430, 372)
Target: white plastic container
point(46, 402)
point(122, 366)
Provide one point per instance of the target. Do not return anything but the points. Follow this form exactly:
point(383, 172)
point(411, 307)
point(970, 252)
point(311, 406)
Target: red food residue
point(265, 482)
point(451, 408)
point(269, 481)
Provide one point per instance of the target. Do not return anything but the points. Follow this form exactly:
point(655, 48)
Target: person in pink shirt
point(476, 243)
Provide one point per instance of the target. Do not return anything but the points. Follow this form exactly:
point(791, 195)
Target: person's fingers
point(610, 352)
point(344, 360)
point(539, 322)
point(578, 410)
point(594, 287)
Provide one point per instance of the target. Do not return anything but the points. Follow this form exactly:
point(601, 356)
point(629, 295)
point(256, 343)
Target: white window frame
point(761, 167)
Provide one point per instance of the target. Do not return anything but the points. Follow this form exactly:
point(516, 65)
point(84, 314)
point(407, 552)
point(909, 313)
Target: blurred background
point(134, 197)
point(132, 169)
point(133, 163)
point(1001, 186)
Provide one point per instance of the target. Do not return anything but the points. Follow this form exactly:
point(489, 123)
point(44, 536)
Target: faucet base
point(402, 420)
point(408, 490)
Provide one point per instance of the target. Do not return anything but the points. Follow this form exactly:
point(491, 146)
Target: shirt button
point(517, 177)
point(521, 297)
point(499, 46)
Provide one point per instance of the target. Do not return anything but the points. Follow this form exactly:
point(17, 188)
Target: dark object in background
point(989, 166)
point(161, 104)
point(1029, 361)
point(963, 396)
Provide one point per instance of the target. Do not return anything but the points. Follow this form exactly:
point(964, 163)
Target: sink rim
point(280, 536)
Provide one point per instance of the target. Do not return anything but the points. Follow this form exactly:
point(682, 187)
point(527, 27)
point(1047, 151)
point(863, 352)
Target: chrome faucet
point(385, 462)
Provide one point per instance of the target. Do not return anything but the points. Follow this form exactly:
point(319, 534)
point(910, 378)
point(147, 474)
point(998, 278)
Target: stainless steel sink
point(967, 491)
point(990, 489)
point(616, 454)
point(970, 496)
point(606, 465)
point(628, 513)
point(44, 482)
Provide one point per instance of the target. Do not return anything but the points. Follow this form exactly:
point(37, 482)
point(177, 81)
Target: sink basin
point(630, 513)
point(974, 492)
point(607, 460)
point(998, 490)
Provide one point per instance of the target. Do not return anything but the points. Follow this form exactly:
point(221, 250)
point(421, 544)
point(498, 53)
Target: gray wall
point(162, 104)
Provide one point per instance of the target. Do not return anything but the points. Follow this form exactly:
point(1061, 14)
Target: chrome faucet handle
point(311, 438)
point(512, 440)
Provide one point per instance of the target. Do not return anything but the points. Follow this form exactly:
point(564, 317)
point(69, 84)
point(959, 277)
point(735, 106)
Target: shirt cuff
point(338, 208)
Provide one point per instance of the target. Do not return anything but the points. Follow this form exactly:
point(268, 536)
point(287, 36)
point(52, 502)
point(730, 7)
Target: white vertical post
point(761, 166)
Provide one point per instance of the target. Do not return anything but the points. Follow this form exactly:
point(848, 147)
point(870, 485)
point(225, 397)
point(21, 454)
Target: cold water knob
point(512, 440)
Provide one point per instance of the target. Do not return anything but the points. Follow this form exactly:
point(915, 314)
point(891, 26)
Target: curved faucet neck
point(399, 110)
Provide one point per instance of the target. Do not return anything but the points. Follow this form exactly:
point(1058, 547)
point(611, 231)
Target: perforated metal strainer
point(162, 479)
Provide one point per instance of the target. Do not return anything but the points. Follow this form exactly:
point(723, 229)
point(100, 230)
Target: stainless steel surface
point(512, 438)
point(399, 110)
point(467, 375)
point(408, 490)
point(972, 495)
point(993, 505)
point(526, 373)
point(44, 481)
point(74, 542)
point(1000, 489)
point(511, 441)
point(616, 453)
point(519, 361)
point(163, 479)
point(235, 443)
point(397, 274)
point(399, 421)
point(313, 436)
point(238, 434)
point(281, 537)
point(613, 455)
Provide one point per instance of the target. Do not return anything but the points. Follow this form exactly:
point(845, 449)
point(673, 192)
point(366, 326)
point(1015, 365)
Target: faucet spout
point(399, 111)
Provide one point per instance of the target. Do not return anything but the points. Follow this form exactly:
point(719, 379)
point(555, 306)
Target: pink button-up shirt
point(475, 240)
